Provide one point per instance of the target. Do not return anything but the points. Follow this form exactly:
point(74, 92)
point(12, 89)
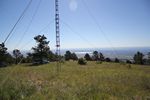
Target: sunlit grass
point(112, 81)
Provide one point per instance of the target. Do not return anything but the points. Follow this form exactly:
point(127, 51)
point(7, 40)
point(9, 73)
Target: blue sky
point(83, 23)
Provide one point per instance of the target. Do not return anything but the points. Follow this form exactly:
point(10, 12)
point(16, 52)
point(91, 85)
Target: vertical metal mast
point(57, 34)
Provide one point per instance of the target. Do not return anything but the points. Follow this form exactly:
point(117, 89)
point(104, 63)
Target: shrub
point(117, 60)
point(82, 61)
point(74, 57)
point(108, 60)
point(88, 57)
point(128, 62)
point(138, 58)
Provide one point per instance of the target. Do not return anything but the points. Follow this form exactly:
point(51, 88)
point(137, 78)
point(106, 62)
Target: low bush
point(82, 61)
point(128, 62)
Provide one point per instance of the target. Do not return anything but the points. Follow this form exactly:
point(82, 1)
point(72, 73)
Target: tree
point(138, 58)
point(68, 55)
point(9, 59)
point(28, 58)
point(148, 57)
point(128, 62)
point(95, 55)
point(52, 56)
point(74, 56)
point(41, 50)
point(17, 54)
point(117, 60)
point(3, 52)
point(108, 60)
point(3, 55)
point(87, 57)
point(101, 57)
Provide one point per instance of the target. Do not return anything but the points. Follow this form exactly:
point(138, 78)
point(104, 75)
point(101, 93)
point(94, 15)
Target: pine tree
point(17, 54)
point(68, 55)
point(87, 57)
point(41, 50)
point(138, 58)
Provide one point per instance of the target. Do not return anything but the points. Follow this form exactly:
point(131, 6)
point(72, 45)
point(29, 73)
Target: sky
point(83, 23)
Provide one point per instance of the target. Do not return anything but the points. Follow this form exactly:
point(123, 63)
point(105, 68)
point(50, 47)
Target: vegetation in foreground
point(93, 81)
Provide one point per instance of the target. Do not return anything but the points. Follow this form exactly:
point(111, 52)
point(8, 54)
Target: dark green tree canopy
point(5, 57)
point(138, 58)
point(98, 56)
point(3, 52)
point(68, 55)
point(101, 57)
point(148, 55)
point(17, 54)
point(42, 49)
point(3, 49)
point(117, 60)
point(52, 56)
point(128, 62)
point(87, 57)
point(74, 56)
point(108, 60)
point(82, 61)
point(42, 45)
point(95, 55)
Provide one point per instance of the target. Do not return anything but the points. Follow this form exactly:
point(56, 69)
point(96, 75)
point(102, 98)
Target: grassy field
point(106, 81)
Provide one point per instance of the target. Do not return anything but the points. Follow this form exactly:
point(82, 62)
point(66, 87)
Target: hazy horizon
point(93, 48)
point(83, 24)
point(121, 53)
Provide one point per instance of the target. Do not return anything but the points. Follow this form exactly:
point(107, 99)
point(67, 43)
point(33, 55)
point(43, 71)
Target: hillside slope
point(109, 81)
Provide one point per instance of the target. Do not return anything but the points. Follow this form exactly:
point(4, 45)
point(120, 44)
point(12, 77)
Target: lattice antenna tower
point(57, 34)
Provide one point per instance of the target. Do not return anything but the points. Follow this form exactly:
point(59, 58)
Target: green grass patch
point(105, 81)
